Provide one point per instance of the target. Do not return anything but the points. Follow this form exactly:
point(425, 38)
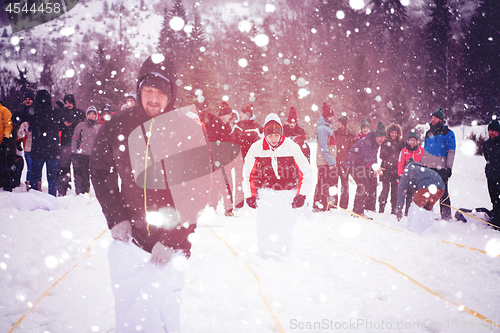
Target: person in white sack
point(429, 188)
point(276, 179)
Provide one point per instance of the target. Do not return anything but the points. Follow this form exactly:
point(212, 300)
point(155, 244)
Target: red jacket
point(405, 155)
point(281, 168)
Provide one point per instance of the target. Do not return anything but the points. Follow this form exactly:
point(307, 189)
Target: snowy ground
point(345, 274)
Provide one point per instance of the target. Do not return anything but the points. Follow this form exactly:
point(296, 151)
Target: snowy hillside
point(345, 274)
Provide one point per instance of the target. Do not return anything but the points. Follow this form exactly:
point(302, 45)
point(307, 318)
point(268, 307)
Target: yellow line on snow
point(466, 309)
point(47, 292)
point(256, 277)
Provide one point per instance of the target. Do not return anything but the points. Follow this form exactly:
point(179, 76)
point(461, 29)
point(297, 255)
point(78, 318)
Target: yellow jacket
point(6, 122)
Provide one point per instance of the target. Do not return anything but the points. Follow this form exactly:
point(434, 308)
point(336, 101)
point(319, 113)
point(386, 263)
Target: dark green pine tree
point(254, 76)
point(390, 35)
point(22, 81)
point(104, 80)
point(438, 46)
point(46, 76)
point(200, 75)
point(482, 74)
point(329, 40)
point(171, 43)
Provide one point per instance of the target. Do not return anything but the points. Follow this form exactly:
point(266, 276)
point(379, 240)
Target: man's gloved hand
point(298, 201)
point(252, 202)
point(399, 214)
point(60, 104)
point(448, 172)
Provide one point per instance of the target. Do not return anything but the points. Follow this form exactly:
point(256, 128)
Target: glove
point(60, 104)
point(252, 202)
point(19, 146)
point(298, 201)
point(399, 214)
point(448, 172)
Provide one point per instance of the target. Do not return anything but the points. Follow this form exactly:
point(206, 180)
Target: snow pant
point(410, 192)
point(361, 176)
point(445, 210)
point(275, 221)
point(238, 196)
point(16, 166)
point(420, 215)
point(226, 183)
point(64, 172)
point(494, 190)
point(81, 168)
point(27, 158)
point(306, 151)
point(147, 296)
point(326, 178)
point(51, 165)
point(4, 170)
point(344, 187)
point(387, 187)
point(221, 188)
point(371, 200)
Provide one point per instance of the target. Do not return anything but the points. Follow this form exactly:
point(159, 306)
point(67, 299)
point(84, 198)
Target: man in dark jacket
point(73, 117)
point(345, 140)
point(45, 122)
point(155, 152)
point(362, 158)
point(492, 169)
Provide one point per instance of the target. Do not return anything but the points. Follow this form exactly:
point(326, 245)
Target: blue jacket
point(364, 152)
point(416, 176)
point(492, 157)
point(323, 133)
point(439, 147)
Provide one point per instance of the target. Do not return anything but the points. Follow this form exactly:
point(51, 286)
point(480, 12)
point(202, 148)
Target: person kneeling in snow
point(276, 179)
point(429, 188)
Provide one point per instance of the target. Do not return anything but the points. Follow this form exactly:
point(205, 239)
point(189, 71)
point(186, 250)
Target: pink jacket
point(405, 156)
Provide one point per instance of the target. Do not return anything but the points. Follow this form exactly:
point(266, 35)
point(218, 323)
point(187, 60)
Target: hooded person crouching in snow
point(429, 188)
point(276, 179)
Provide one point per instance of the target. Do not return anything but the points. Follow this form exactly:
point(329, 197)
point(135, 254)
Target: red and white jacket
point(280, 168)
point(405, 155)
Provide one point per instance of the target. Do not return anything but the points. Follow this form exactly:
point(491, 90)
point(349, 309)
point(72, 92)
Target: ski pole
point(458, 210)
